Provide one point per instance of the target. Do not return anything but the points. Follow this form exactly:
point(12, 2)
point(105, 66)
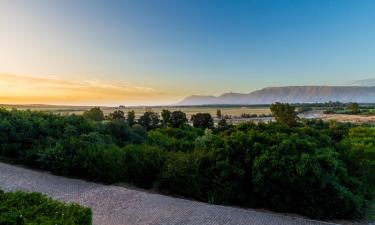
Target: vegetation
point(149, 120)
point(310, 167)
point(116, 115)
point(218, 114)
point(353, 107)
point(178, 119)
point(95, 114)
point(166, 115)
point(20, 208)
point(284, 113)
point(131, 118)
point(202, 120)
point(248, 115)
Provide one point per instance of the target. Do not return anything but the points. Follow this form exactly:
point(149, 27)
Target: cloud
point(30, 89)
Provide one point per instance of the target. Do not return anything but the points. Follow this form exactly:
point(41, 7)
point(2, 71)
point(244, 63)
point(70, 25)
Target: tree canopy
point(117, 115)
point(149, 120)
point(131, 118)
point(314, 168)
point(202, 120)
point(178, 119)
point(284, 113)
point(95, 114)
point(353, 107)
point(166, 116)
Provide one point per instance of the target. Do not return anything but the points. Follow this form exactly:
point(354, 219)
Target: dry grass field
point(234, 111)
point(349, 118)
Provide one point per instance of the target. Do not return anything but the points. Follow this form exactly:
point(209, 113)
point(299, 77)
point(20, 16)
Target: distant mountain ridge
point(290, 94)
point(366, 82)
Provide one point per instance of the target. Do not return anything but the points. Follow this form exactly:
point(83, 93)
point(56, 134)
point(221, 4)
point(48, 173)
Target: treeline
point(314, 168)
point(352, 109)
point(21, 208)
point(249, 115)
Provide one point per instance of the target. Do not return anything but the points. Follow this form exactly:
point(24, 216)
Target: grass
point(234, 111)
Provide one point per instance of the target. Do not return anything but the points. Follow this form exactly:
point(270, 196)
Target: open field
point(349, 118)
point(234, 111)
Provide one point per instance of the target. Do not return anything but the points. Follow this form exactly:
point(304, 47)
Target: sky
point(147, 52)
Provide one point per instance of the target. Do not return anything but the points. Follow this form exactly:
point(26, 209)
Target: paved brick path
point(114, 205)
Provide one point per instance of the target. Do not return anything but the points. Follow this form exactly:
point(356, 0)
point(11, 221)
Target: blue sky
point(178, 48)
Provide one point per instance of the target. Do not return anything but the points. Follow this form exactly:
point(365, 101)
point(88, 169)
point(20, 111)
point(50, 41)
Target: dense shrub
point(202, 120)
point(360, 154)
point(315, 168)
point(18, 208)
point(174, 139)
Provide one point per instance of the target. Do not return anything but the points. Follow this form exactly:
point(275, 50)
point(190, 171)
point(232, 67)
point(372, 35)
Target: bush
point(20, 208)
point(360, 154)
point(315, 168)
point(202, 120)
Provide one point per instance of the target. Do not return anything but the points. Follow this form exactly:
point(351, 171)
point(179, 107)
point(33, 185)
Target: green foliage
point(218, 113)
point(166, 115)
point(318, 169)
point(360, 153)
point(95, 114)
point(202, 120)
point(120, 131)
point(353, 107)
point(284, 113)
point(149, 120)
point(178, 119)
point(18, 208)
point(117, 115)
point(131, 118)
point(222, 125)
point(142, 164)
point(173, 139)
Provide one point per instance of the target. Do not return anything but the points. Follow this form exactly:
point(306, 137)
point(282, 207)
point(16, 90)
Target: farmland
point(232, 112)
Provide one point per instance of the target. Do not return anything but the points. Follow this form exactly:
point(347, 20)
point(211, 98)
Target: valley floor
point(113, 205)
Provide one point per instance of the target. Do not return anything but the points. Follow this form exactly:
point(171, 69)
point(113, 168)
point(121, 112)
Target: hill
point(291, 94)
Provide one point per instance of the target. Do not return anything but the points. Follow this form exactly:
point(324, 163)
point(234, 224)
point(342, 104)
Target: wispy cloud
point(31, 89)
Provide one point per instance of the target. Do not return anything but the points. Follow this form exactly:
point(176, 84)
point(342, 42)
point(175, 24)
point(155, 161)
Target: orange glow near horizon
point(16, 89)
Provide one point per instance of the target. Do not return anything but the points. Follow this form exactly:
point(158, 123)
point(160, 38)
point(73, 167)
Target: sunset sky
point(87, 52)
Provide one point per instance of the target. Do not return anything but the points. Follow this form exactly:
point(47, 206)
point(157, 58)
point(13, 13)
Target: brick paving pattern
point(113, 205)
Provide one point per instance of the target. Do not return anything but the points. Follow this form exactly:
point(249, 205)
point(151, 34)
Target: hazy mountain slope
point(367, 82)
point(292, 94)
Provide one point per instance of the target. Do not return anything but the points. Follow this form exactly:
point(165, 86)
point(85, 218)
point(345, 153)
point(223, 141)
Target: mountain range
point(290, 94)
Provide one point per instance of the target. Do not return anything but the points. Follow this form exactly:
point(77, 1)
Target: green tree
point(120, 130)
point(218, 113)
point(166, 115)
point(117, 115)
point(131, 118)
point(202, 120)
point(95, 114)
point(149, 120)
point(222, 124)
point(284, 113)
point(178, 119)
point(353, 107)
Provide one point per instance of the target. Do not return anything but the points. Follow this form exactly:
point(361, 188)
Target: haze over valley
point(290, 94)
